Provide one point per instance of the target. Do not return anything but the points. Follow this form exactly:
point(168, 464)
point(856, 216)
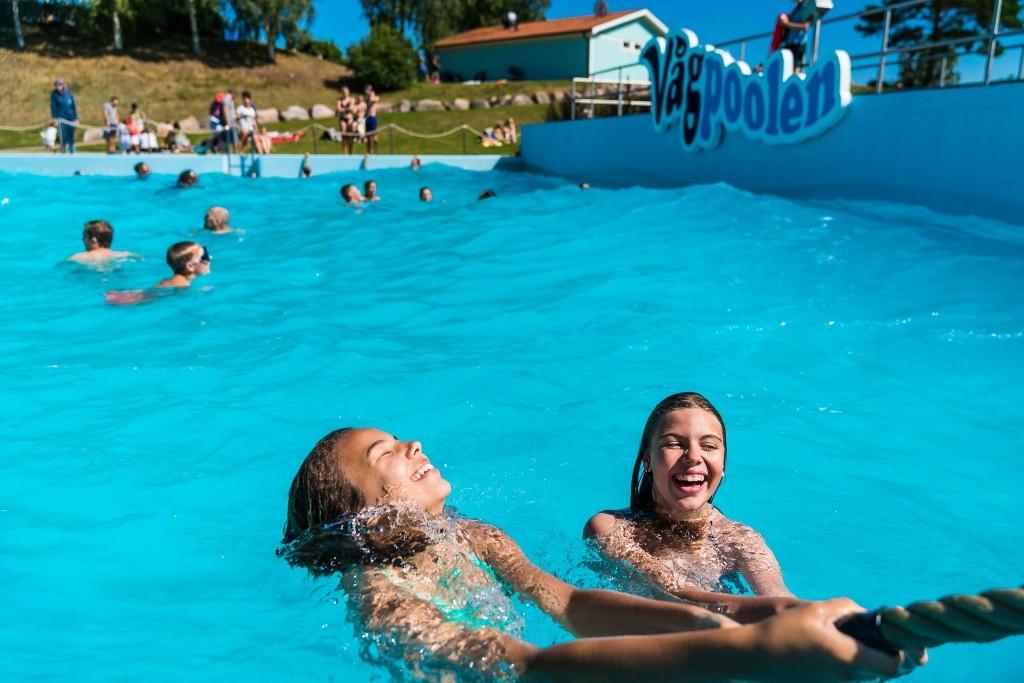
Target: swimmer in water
point(142, 170)
point(430, 583)
point(350, 193)
point(216, 220)
point(426, 195)
point(673, 534)
point(97, 237)
point(188, 178)
point(188, 260)
point(370, 191)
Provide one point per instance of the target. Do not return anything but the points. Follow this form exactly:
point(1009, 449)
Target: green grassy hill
point(170, 83)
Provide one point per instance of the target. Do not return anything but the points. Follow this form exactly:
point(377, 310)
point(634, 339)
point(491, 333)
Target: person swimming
point(673, 534)
point(373, 508)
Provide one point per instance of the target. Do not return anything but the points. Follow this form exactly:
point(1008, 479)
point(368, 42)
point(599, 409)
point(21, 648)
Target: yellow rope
point(979, 618)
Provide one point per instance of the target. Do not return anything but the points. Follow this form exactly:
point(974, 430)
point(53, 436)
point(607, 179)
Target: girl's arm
point(756, 561)
point(742, 608)
point(797, 646)
point(416, 625)
point(583, 612)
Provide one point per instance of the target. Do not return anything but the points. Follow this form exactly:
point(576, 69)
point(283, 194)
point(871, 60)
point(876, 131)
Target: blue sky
point(342, 20)
point(714, 21)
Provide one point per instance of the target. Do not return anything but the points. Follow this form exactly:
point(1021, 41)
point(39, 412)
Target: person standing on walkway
point(62, 107)
point(110, 121)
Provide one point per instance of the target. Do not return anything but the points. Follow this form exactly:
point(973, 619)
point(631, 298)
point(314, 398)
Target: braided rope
point(979, 618)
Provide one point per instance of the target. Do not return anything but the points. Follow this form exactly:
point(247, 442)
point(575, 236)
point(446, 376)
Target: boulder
point(521, 100)
point(428, 105)
point(189, 124)
point(162, 129)
point(385, 107)
point(404, 106)
point(321, 111)
point(92, 135)
point(541, 97)
point(479, 104)
point(295, 113)
point(460, 104)
point(268, 115)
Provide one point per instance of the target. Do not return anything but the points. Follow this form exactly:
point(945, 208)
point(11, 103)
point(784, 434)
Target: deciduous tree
point(936, 21)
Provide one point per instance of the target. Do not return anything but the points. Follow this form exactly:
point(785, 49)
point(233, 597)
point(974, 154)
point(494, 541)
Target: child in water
point(372, 507)
point(673, 534)
point(188, 260)
point(97, 238)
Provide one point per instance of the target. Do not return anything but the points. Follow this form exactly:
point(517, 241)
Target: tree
point(385, 59)
point(17, 24)
point(194, 26)
point(935, 21)
point(275, 19)
point(431, 20)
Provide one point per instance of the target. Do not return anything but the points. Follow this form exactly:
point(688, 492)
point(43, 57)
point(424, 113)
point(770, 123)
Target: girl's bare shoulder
point(608, 521)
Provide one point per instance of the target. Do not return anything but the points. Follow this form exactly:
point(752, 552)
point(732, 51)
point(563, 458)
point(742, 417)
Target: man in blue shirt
point(62, 107)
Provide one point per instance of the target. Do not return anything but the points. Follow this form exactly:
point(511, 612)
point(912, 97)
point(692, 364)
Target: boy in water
point(97, 237)
point(188, 260)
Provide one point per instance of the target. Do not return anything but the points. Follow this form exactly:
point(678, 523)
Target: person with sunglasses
point(188, 260)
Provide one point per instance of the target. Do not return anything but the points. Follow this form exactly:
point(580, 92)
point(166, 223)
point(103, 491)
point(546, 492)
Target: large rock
point(384, 107)
point(189, 124)
point(321, 111)
point(460, 104)
point(268, 115)
point(428, 105)
point(479, 104)
point(92, 135)
point(295, 113)
point(404, 106)
point(522, 100)
point(541, 97)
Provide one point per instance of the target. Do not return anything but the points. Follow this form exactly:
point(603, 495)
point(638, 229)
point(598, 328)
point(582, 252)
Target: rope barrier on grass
point(335, 134)
point(978, 618)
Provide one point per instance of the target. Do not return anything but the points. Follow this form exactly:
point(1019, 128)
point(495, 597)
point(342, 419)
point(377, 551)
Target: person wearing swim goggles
point(188, 260)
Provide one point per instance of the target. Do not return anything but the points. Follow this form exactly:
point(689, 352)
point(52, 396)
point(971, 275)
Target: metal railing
point(878, 59)
point(623, 94)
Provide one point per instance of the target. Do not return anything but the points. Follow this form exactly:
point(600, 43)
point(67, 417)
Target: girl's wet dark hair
point(329, 526)
point(320, 491)
point(641, 498)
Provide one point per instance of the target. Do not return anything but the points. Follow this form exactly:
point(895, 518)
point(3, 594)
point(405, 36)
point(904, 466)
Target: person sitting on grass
point(188, 260)
point(97, 237)
point(434, 587)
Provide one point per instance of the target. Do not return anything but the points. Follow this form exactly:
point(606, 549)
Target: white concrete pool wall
point(276, 165)
point(956, 150)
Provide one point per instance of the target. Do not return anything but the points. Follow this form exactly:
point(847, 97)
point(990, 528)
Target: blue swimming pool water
point(867, 358)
